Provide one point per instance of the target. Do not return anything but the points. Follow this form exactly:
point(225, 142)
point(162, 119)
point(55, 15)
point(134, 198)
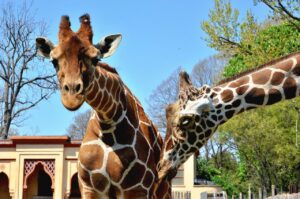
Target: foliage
point(263, 139)
point(269, 44)
point(226, 32)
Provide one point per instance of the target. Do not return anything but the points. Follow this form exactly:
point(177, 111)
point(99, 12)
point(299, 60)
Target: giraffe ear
point(43, 46)
point(108, 45)
point(184, 80)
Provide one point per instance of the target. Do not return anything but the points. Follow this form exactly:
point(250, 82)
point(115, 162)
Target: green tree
point(264, 139)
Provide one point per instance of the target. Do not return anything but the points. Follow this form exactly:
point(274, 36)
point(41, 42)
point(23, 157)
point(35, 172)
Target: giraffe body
point(121, 148)
point(198, 112)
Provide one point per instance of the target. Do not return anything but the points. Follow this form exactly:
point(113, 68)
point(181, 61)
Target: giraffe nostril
point(66, 88)
point(78, 88)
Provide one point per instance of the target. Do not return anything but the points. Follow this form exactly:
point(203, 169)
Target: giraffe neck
point(106, 95)
point(267, 86)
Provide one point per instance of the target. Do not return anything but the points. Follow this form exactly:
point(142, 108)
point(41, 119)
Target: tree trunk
point(7, 113)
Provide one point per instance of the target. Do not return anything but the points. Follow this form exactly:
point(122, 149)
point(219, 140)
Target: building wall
point(12, 161)
point(189, 170)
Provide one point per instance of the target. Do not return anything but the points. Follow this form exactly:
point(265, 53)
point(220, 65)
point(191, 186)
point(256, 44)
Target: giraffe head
point(190, 122)
point(74, 58)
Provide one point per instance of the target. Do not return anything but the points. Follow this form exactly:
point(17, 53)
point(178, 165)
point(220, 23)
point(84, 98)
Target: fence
point(286, 196)
point(181, 195)
point(262, 194)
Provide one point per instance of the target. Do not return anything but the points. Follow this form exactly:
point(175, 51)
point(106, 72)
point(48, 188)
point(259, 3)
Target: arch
point(4, 186)
point(38, 183)
point(75, 192)
point(35, 168)
point(30, 165)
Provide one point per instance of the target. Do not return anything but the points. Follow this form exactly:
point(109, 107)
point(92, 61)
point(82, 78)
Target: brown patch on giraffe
point(210, 123)
point(99, 181)
point(207, 134)
point(91, 156)
point(148, 179)
point(118, 94)
point(118, 161)
point(229, 114)
point(242, 80)
point(135, 174)
point(115, 86)
point(227, 95)
point(191, 138)
point(261, 77)
point(255, 96)
point(124, 133)
point(241, 90)
point(132, 112)
point(102, 100)
point(92, 131)
point(233, 85)
point(137, 192)
point(111, 110)
point(102, 80)
point(96, 99)
point(108, 85)
point(142, 146)
point(93, 92)
point(290, 88)
point(217, 89)
point(161, 191)
point(85, 176)
point(118, 113)
point(108, 139)
point(274, 96)
point(296, 70)
point(285, 65)
point(277, 78)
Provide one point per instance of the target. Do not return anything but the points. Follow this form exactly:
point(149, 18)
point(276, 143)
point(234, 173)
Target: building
point(27, 162)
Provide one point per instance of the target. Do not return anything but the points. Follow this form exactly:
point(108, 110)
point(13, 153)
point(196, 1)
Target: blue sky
point(158, 37)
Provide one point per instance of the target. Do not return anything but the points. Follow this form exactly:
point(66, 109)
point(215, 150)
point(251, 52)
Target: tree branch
point(223, 39)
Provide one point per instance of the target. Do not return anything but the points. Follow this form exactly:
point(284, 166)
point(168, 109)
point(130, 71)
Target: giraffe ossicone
point(198, 112)
point(121, 147)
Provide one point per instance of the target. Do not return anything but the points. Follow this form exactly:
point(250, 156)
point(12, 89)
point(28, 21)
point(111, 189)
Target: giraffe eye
point(185, 122)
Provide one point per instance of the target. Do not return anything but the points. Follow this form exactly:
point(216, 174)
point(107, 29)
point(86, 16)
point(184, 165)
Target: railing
point(181, 195)
point(217, 195)
point(286, 196)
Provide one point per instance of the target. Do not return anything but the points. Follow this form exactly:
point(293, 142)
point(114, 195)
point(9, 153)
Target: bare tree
point(284, 10)
point(24, 79)
point(208, 71)
point(164, 94)
point(77, 129)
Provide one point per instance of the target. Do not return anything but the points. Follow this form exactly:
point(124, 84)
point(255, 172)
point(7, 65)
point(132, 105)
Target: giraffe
point(121, 148)
point(198, 112)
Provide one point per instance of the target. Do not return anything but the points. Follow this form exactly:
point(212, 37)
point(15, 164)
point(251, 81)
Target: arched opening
point(39, 184)
point(75, 192)
point(4, 189)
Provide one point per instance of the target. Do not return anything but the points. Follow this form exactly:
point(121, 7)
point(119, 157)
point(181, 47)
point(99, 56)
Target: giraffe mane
point(256, 68)
point(106, 67)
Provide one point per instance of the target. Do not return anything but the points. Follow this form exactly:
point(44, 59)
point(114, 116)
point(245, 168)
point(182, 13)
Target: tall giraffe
point(121, 148)
point(195, 116)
